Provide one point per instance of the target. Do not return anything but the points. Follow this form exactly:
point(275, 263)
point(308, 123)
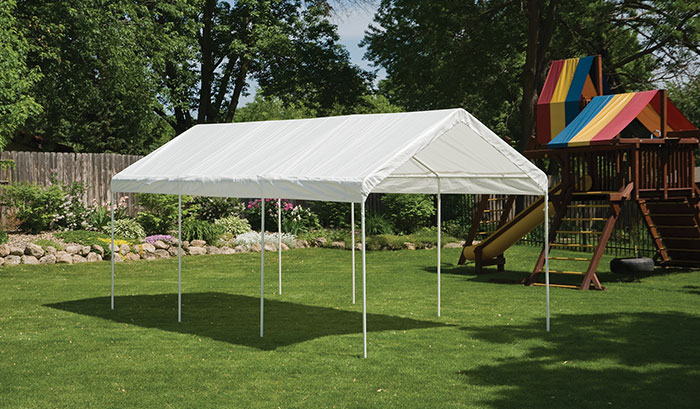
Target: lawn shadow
point(235, 318)
point(594, 360)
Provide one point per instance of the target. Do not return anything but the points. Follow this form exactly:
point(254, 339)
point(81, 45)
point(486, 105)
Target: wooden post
point(599, 73)
point(600, 248)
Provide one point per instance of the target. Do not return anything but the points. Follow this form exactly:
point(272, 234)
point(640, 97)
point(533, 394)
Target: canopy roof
point(342, 158)
point(606, 116)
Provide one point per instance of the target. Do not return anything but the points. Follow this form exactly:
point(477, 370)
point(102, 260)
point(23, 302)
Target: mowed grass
point(635, 345)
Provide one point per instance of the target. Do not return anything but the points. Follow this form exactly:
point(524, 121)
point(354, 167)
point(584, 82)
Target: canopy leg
point(179, 258)
point(439, 246)
point(279, 241)
point(262, 264)
point(352, 234)
point(364, 282)
point(546, 250)
point(111, 207)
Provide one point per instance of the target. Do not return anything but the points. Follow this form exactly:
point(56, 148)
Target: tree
point(16, 104)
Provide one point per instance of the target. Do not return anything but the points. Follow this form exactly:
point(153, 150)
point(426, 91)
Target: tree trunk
point(206, 47)
point(527, 104)
point(238, 88)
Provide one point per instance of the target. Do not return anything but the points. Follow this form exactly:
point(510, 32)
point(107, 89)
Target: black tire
point(632, 265)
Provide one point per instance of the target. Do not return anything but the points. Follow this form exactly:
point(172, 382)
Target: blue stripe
point(588, 113)
point(571, 107)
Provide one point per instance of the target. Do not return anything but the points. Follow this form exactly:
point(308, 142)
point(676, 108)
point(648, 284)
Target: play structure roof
point(606, 116)
point(341, 158)
point(568, 81)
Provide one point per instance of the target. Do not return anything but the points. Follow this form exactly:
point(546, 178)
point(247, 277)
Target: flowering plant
point(253, 237)
point(295, 219)
point(162, 237)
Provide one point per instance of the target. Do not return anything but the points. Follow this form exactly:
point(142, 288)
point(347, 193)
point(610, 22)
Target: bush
point(127, 228)
point(334, 215)
point(233, 225)
point(376, 223)
point(37, 206)
point(72, 214)
point(160, 212)
point(3, 237)
point(409, 212)
point(295, 219)
point(214, 208)
point(193, 229)
point(253, 237)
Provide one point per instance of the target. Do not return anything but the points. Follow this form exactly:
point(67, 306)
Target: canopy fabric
point(567, 82)
point(606, 116)
point(341, 158)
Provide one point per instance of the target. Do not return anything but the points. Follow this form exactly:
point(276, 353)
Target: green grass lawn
point(634, 345)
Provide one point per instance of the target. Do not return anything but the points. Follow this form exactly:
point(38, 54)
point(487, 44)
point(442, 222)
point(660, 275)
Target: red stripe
point(551, 82)
point(674, 118)
point(544, 132)
point(627, 115)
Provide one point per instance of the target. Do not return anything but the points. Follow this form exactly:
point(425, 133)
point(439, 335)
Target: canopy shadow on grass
point(235, 318)
point(589, 360)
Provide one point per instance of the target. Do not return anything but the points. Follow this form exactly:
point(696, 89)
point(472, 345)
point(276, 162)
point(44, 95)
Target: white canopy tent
point(343, 159)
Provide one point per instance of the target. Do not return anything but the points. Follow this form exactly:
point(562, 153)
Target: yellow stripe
point(600, 121)
point(557, 118)
point(565, 78)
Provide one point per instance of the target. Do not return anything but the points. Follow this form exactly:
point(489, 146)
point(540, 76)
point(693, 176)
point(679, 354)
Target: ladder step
point(558, 285)
point(595, 192)
point(583, 219)
point(593, 206)
point(578, 273)
point(493, 199)
point(674, 227)
point(578, 232)
point(677, 238)
point(571, 245)
point(670, 214)
point(570, 258)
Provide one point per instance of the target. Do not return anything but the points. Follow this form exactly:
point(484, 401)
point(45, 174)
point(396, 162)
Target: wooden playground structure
point(604, 149)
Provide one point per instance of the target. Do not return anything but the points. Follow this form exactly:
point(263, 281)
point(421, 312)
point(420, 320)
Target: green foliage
point(193, 229)
point(213, 208)
point(127, 228)
point(160, 212)
point(334, 215)
point(377, 223)
point(295, 219)
point(409, 212)
point(16, 78)
point(37, 206)
point(45, 243)
point(3, 236)
point(268, 108)
point(85, 237)
point(233, 225)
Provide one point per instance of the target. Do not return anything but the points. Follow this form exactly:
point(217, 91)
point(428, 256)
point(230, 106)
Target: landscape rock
point(241, 249)
point(132, 257)
point(358, 246)
point(12, 260)
point(213, 250)
point(2, 261)
point(72, 249)
point(124, 248)
point(148, 248)
point(160, 245)
point(63, 257)
point(173, 251)
point(302, 244)
point(98, 249)
point(16, 251)
point(198, 243)
point(148, 256)
point(92, 257)
point(409, 246)
point(338, 244)
point(113, 248)
point(161, 253)
point(320, 241)
point(48, 259)
point(270, 247)
point(196, 251)
point(452, 246)
point(255, 247)
point(285, 247)
point(34, 250)
point(51, 250)
point(227, 250)
point(118, 257)
point(185, 244)
point(4, 250)
point(26, 259)
point(84, 250)
point(77, 258)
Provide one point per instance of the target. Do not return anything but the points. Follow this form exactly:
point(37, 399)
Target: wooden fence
point(94, 170)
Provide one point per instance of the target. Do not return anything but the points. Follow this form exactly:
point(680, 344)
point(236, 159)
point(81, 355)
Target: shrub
point(127, 228)
point(44, 243)
point(99, 216)
point(233, 225)
point(295, 219)
point(160, 212)
point(253, 237)
point(3, 236)
point(162, 237)
point(72, 214)
point(37, 206)
point(376, 223)
point(214, 208)
point(193, 229)
point(334, 215)
point(409, 212)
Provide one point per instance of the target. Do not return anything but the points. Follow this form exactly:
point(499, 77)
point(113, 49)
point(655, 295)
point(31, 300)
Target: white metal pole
point(352, 239)
point(279, 241)
point(439, 244)
point(546, 251)
point(111, 207)
point(179, 258)
point(262, 263)
point(364, 282)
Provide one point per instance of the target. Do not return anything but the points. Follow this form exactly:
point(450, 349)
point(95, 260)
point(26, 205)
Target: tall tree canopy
point(492, 56)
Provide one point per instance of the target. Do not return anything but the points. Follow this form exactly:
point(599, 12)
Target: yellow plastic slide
point(511, 232)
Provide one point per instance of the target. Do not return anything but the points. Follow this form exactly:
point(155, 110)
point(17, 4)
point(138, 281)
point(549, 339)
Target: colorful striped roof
point(606, 116)
point(568, 81)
